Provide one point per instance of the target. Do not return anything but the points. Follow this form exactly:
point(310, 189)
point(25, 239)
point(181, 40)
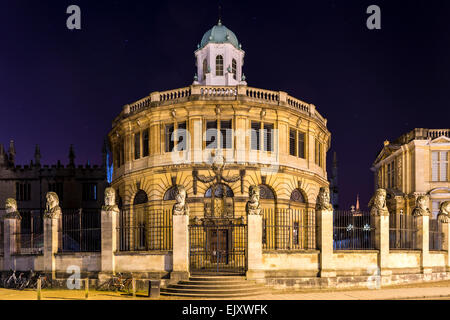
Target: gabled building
point(417, 163)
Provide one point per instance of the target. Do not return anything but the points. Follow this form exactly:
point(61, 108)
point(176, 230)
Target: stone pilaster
point(109, 241)
point(382, 244)
point(325, 243)
point(180, 258)
point(254, 247)
point(11, 228)
point(423, 242)
point(51, 245)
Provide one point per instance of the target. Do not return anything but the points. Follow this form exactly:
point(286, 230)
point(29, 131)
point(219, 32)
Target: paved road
point(429, 291)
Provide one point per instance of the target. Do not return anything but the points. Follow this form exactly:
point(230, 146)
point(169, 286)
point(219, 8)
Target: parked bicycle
point(25, 280)
point(116, 283)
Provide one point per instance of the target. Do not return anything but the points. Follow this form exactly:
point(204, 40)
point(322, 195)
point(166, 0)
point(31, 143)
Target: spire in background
point(37, 155)
point(12, 153)
point(357, 202)
point(2, 155)
point(71, 156)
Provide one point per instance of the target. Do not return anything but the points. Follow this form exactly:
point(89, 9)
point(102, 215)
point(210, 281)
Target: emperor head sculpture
point(110, 201)
point(253, 207)
point(377, 204)
point(180, 208)
point(444, 212)
point(421, 208)
point(323, 200)
point(11, 209)
point(52, 207)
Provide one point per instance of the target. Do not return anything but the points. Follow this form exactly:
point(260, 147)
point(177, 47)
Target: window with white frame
point(219, 66)
point(439, 166)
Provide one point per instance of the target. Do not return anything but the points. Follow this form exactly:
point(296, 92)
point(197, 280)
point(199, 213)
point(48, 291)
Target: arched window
point(221, 189)
point(170, 194)
point(140, 197)
point(265, 192)
point(205, 68)
point(297, 196)
point(233, 68)
point(219, 66)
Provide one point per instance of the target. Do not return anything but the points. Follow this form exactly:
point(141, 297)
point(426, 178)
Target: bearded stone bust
point(253, 207)
point(377, 204)
point(180, 208)
point(444, 212)
point(52, 210)
point(323, 200)
point(11, 209)
point(421, 208)
point(110, 201)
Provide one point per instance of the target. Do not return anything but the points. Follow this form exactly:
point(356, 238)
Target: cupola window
point(233, 68)
point(219, 66)
point(205, 68)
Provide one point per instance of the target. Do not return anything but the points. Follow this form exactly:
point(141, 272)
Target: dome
point(219, 34)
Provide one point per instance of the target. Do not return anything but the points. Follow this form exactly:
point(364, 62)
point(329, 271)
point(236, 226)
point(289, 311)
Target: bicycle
point(116, 283)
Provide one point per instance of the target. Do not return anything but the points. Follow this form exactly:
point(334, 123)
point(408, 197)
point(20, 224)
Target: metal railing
point(2, 229)
point(149, 232)
point(30, 239)
point(289, 229)
point(80, 230)
point(353, 231)
point(402, 232)
point(218, 246)
point(436, 235)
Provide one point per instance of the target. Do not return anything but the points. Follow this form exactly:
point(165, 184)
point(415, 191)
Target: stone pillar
point(180, 251)
point(423, 242)
point(51, 245)
point(11, 228)
point(382, 244)
point(325, 243)
point(109, 241)
point(445, 229)
point(255, 269)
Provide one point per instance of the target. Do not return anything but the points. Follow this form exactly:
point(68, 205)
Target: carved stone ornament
point(52, 210)
point(11, 209)
point(444, 212)
point(253, 207)
point(110, 201)
point(421, 208)
point(180, 208)
point(323, 200)
point(377, 204)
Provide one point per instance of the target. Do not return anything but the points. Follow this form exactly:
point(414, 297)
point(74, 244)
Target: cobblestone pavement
point(426, 291)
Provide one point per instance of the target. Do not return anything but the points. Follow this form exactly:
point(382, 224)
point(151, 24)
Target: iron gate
point(218, 246)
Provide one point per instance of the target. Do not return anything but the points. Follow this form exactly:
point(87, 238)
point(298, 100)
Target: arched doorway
point(218, 242)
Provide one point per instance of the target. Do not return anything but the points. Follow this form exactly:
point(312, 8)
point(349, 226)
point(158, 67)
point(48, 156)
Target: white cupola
point(219, 58)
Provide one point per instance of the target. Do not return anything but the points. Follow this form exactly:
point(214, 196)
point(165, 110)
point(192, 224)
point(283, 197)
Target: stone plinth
point(51, 245)
point(254, 247)
point(325, 243)
point(10, 241)
point(423, 242)
point(109, 241)
point(382, 244)
point(180, 269)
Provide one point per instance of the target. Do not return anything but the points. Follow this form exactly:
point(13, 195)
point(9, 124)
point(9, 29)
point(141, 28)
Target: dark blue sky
point(61, 87)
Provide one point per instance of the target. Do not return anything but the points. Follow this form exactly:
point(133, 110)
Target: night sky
point(60, 87)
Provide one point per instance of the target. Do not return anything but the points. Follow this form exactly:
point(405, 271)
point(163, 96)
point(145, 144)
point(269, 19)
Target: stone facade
point(415, 164)
point(29, 184)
